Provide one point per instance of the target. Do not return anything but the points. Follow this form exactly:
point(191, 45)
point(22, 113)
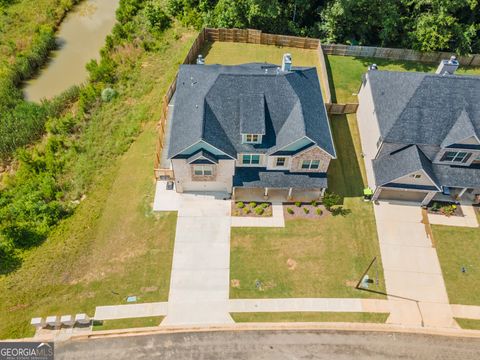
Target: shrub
point(314, 203)
point(240, 205)
point(259, 210)
point(290, 211)
point(265, 205)
point(306, 211)
point(340, 211)
point(319, 211)
point(448, 210)
point(298, 204)
point(157, 18)
point(108, 94)
point(246, 210)
point(252, 204)
point(331, 199)
point(435, 206)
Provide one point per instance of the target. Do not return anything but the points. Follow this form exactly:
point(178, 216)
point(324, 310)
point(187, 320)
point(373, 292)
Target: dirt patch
point(18, 307)
point(292, 264)
point(149, 289)
point(251, 209)
point(351, 283)
point(235, 283)
point(304, 211)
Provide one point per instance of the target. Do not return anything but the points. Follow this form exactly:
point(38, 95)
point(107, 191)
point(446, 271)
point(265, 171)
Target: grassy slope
point(113, 246)
point(128, 323)
point(470, 324)
point(457, 247)
point(319, 248)
point(310, 317)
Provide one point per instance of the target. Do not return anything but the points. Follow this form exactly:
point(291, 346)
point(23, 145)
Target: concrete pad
point(199, 313)
point(165, 200)
point(405, 313)
point(398, 212)
point(399, 233)
point(195, 285)
point(410, 259)
point(194, 255)
point(416, 286)
point(207, 231)
point(437, 315)
point(376, 306)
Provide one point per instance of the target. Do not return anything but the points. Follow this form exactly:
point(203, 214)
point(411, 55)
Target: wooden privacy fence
point(397, 54)
point(339, 109)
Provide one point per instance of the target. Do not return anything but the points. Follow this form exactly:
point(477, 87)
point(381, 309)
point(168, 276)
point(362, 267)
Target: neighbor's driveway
point(200, 279)
point(412, 271)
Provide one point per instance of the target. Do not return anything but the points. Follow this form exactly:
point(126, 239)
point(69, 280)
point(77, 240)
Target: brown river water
point(80, 37)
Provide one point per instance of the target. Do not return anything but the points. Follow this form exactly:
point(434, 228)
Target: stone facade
point(314, 153)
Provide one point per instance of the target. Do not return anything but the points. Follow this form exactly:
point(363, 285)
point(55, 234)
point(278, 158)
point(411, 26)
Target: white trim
point(460, 141)
point(413, 172)
point(201, 140)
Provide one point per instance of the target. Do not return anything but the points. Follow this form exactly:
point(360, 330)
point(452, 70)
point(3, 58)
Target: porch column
point(265, 194)
point(233, 193)
point(322, 192)
point(462, 192)
point(376, 194)
point(289, 196)
point(428, 198)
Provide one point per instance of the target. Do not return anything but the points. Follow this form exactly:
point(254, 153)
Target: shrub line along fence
point(258, 37)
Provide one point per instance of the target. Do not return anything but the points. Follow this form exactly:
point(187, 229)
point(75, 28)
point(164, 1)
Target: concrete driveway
point(412, 271)
point(199, 284)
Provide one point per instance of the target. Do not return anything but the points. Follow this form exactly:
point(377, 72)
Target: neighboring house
point(249, 126)
point(422, 132)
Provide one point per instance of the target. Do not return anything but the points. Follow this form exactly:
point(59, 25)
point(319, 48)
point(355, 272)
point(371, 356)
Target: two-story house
point(249, 126)
point(421, 134)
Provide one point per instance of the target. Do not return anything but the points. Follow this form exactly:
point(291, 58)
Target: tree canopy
point(426, 25)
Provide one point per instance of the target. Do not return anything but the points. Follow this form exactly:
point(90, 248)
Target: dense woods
point(426, 25)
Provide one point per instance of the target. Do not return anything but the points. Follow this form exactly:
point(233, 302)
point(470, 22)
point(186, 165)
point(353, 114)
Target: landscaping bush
point(340, 211)
point(259, 210)
point(240, 205)
point(330, 199)
point(246, 210)
point(265, 205)
point(306, 211)
point(319, 211)
point(448, 210)
point(252, 204)
point(290, 211)
point(298, 204)
point(314, 203)
point(435, 206)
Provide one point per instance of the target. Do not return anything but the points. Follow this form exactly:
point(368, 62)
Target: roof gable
point(461, 130)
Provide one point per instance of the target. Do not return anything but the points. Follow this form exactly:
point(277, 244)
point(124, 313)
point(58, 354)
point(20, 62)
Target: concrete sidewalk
point(469, 218)
point(309, 305)
point(129, 311)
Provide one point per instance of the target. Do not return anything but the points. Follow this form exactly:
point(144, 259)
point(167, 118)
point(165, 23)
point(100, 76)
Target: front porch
point(276, 195)
point(464, 195)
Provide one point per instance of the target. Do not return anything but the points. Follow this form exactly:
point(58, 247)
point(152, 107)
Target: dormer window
point(252, 138)
point(456, 156)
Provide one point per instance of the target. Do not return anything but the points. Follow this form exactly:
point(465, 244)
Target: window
point(416, 176)
point(310, 164)
point(252, 138)
point(456, 156)
point(203, 170)
point(250, 159)
point(280, 162)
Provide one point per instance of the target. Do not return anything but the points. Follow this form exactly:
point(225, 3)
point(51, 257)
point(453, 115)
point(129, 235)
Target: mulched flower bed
point(311, 211)
point(443, 204)
point(251, 209)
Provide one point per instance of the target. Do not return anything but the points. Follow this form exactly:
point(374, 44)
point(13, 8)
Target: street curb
point(353, 327)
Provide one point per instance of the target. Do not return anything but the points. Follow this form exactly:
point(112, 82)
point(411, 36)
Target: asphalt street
point(272, 345)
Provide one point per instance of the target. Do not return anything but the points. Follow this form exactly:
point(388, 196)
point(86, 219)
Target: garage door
point(211, 186)
point(402, 195)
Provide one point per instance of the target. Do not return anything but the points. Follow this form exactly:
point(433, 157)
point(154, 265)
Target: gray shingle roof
point(252, 114)
point(254, 177)
point(421, 108)
point(396, 165)
point(457, 176)
point(208, 106)
point(461, 130)
point(201, 155)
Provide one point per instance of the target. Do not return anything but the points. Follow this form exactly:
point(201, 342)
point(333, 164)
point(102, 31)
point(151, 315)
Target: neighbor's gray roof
point(254, 177)
point(401, 163)
point(207, 106)
point(421, 108)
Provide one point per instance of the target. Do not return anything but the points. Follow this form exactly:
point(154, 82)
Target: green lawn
point(469, 324)
point(456, 248)
point(128, 323)
point(346, 73)
point(113, 245)
point(330, 254)
point(310, 317)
